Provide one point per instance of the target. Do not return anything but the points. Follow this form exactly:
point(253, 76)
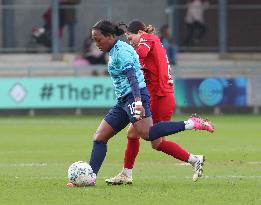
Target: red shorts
point(162, 107)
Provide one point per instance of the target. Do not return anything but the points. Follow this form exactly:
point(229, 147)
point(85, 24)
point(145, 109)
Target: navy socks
point(162, 129)
point(99, 150)
point(156, 131)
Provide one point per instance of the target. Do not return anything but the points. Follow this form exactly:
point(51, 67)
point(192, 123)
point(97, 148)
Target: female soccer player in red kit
point(157, 73)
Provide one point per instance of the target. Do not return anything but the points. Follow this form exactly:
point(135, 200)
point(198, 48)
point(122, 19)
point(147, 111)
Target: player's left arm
point(129, 72)
point(128, 68)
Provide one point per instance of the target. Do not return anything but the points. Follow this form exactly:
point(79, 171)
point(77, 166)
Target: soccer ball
point(81, 174)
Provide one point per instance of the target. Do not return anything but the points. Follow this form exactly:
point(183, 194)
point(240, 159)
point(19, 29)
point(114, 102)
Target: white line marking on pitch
point(45, 164)
point(254, 163)
point(153, 177)
point(206, 177)
point(24, 165)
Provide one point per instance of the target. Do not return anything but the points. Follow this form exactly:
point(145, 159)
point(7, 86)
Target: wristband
point(138, 103)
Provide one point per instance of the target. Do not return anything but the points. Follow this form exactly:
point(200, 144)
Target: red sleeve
point(143, 48)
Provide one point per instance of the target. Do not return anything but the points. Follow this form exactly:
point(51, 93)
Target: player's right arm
point(143, 48)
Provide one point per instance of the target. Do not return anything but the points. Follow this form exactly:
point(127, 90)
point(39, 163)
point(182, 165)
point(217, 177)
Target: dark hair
point(108, 28)
point(136, 26)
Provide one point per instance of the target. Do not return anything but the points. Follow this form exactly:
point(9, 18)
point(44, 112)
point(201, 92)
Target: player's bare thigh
point(163, 108)
point(104, 132)
point(132, 134)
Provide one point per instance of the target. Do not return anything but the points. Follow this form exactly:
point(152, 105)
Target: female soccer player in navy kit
point(157, 73)
point(132, 97)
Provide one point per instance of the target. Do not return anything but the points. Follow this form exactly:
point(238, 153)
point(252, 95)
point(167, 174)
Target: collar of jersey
point(111, 50)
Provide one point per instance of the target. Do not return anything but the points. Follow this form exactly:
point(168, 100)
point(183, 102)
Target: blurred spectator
point(91, 56)
point(168, 43)
point(92, 53)
point(43, 35)
point(194, 19)
point(67, 17)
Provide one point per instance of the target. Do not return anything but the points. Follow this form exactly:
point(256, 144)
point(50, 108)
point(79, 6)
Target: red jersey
point(155, 65)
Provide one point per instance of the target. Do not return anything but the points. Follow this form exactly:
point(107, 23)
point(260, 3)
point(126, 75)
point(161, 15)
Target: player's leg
point(175, 150)
point(99, 149)
point(145, 130)
point(132, 149)
point(148, 132)
point(103, 133)
point(133, 143)
point(162, 110)
point(151, 133)
point(131, 152)
point(113, 122)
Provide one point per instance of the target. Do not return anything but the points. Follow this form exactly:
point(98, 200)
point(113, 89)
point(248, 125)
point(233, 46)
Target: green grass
point(35, 154)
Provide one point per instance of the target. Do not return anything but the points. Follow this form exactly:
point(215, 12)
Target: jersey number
point(169, 68)
point(132, 108)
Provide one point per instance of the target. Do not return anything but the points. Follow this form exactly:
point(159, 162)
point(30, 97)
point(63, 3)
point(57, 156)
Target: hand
point(139, 110)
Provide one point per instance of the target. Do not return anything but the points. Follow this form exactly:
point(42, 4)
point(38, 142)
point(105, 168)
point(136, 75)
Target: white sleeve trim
point(144, 45)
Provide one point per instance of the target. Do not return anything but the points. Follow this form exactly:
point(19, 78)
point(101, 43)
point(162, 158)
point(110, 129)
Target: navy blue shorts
point(123, 112)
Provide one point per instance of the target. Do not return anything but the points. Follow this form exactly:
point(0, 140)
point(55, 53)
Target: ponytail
point(119, 30)
point(150, 29)
point(136, 26)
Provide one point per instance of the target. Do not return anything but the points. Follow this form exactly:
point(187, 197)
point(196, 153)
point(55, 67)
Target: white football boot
point(198, 167)
point(120, 179)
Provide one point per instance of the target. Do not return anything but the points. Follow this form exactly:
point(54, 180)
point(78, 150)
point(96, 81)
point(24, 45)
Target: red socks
point(173, 149)
point(168, 147)
point(131, 152)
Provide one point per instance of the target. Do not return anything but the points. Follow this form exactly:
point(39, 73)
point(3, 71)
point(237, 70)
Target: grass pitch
point(35, 154)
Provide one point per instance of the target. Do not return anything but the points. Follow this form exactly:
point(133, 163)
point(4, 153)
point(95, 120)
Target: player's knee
point(99, 137)
point(132, 135)
point(143, 130)
point(145, 134)
point(155, 144)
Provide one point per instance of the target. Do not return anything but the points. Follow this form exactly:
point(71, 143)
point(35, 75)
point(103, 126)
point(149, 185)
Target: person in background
point(91, 52)
point(168, 43)
point(195, 22)
point(68, 18)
